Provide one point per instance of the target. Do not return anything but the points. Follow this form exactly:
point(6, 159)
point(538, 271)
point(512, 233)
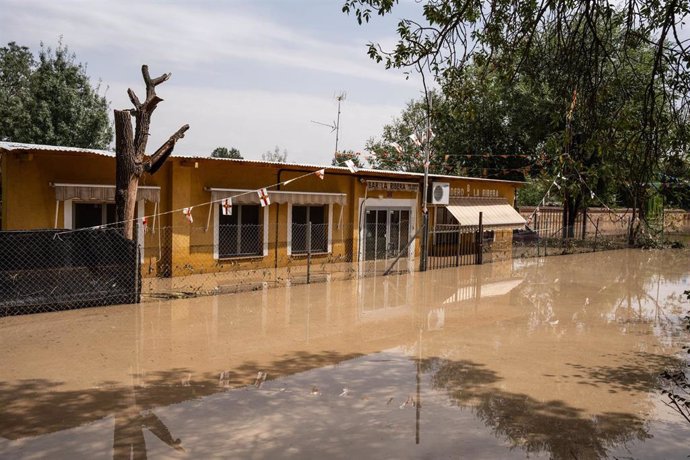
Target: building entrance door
point(387, 232)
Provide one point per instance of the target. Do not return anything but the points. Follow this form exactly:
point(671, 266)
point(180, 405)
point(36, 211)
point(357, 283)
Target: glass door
point(386, 233)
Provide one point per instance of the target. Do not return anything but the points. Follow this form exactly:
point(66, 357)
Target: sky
point(246, 74)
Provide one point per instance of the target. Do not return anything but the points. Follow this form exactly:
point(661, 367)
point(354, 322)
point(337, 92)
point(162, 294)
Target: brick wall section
point(616, 222)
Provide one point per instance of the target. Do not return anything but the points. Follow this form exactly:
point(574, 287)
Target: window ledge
point(234, 258)
point(304, 255)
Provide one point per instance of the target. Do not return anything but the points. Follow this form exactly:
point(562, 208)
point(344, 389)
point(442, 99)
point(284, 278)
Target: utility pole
point(425, 208)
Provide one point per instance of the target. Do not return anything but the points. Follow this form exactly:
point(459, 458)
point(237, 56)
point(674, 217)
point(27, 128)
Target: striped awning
point(497, 213)
point(278, 196)
point(98, 192)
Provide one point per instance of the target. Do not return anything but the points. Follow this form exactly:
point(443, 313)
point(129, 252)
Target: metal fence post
point(308, 252)
point(480, 244)
point(457, 253)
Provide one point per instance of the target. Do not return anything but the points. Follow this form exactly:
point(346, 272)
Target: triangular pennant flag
point(415, 139)
point(226, 206)
point(320, 173)
point(351, 166)
point(144, 223)
point(188, 214)
point(557, 186)
point(397, 147)
point(263, 197)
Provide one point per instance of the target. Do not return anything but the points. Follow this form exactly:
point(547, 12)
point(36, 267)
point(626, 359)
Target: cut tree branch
point(158, 158)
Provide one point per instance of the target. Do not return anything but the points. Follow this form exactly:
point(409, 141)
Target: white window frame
point(329, 222)
point(393, 203)
point(216, 232)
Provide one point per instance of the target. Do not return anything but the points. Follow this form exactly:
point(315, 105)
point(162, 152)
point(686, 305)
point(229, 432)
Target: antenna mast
point(340, 98)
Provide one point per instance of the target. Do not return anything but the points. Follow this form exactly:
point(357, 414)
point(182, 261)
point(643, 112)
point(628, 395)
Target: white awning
point(98, 192)
point(278, 196)
point(497, 213)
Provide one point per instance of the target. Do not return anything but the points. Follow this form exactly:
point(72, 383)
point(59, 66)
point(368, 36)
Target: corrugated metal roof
point(17, 146)
point(496, 213)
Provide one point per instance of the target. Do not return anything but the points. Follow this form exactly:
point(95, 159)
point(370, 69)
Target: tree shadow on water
point(37, 407)
point(553, 427)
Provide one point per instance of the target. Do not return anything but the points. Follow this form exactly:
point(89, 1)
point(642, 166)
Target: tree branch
point(133, 97)
point(158, 158)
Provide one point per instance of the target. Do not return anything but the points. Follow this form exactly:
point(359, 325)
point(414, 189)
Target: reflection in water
point(130, 423)
point(552, 357)
point(530, 424)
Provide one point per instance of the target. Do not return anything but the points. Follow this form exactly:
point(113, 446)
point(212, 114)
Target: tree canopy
point(275, 155)
point(594, 93)
point(339, 158)
point(49, 99)
point(224, 152)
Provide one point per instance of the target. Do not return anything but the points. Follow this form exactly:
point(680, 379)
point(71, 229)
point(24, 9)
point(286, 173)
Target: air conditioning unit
point(440, 193)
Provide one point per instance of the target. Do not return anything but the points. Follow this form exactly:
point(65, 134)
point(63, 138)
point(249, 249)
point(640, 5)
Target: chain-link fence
point(48, 270)
point(195, 260)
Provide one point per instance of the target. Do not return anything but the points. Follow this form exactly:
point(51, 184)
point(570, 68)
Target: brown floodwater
point(555, 357)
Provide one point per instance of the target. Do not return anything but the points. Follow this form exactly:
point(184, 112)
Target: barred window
point(240, 234)
point(301, 216)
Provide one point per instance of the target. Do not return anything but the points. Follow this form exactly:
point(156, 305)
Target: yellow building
point(366, 216)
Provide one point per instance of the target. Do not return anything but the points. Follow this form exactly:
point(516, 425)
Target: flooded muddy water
point(553, 358)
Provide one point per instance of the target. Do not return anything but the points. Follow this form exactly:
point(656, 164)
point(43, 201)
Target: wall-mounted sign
point(484, 193)
point(391, 186)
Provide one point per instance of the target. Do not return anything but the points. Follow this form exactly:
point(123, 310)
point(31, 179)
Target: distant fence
point(548, 221)
point(45, 270)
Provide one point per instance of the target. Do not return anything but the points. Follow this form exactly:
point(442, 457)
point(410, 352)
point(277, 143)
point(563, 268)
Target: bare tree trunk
point(126, 174)
point(130, 150)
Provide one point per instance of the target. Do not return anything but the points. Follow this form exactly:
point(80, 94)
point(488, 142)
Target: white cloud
point(186, 35)
point(214, 48)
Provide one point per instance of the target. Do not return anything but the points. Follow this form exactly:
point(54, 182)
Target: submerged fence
point(46, 270)
point(51, 270)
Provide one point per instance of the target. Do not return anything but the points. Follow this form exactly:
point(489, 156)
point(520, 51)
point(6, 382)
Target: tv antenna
point(335, 126)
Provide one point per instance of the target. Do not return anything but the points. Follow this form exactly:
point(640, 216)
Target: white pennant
point(415, 139)
point(320, 173)
point(397, 147)
point(351, 166)
point(263, 197)
point(226, 206)
point(188, 214)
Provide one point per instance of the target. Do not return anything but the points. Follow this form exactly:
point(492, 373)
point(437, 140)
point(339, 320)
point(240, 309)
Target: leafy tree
point(340, 158)
point(275, 155)
point(402, 143)
point(223, 152)
point(50, 99)
point(584, 52)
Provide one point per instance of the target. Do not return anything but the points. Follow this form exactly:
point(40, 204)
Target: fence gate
point(454, 245)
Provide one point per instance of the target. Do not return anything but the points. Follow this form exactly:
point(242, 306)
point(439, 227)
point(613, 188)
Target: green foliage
point(396, 150)
point(340, 158)
point(224, 152)
point(50, 99)
point(532, 193)
point(597, 92)
point(275, 155)
point(675, 181)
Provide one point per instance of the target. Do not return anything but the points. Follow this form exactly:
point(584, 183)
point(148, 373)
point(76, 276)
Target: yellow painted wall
point(176, 247)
